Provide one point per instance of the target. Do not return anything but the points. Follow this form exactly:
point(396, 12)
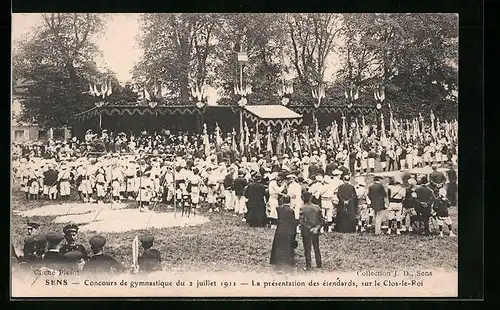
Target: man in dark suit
point(425, 196)
point(239, 189)
point(377, 196)
point(99, 262)
point(284, 243)
point(70, 232)
point(150, 260)
point(257, 197)
point(437, 180)
point(52, 258)
point(310, 220)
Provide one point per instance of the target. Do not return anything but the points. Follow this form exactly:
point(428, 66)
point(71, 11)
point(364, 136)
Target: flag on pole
point(382, 128)
point(281, 142)
point(408, 131)
point(364, 129)
point(247, 135)
point(257, 136)
point(218, 138)
point(96, 92)
point(438, 128)
point(146, 95)
point(316, 131)
point(104, 89)
point(433, 130)
point(392, 128)
point(336, 133)
point(269, 145)
point(308, 143)
point(358, 132)
point(331, 140)
point(297, 142)
point(91, 90)
point(242, 140)
point(233, 140)
point(344, 131)
point(110, 91)
point(206, 142)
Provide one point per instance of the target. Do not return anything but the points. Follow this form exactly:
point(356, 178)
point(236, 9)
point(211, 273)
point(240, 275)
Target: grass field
point(227, 244)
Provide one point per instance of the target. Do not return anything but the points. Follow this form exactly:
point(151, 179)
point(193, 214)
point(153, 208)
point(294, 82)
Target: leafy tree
point(177, 48)
point(56, 64)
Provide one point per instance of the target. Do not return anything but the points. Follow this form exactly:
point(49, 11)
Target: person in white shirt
point(327, 193)
point(100, 185)
point(195, 183)
point(409, 156)
point(294, 191)
point(361, 192)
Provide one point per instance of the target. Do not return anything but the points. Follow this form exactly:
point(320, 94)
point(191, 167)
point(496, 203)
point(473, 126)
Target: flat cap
point(146, 238)
point(97, 241)
point(33, 225)
point(70, 228)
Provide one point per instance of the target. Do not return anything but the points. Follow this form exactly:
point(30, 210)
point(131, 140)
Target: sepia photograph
point(234, 155)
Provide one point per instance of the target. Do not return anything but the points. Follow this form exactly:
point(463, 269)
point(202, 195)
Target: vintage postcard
point(234, 155)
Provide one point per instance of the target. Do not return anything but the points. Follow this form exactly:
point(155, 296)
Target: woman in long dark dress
point(284, 242)
point(256, 203)
point(347, 207)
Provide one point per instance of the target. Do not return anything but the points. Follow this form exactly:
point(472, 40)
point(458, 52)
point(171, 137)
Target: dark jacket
point(102, 263)
point(228, 181)
point(377, 195)
point(239, 186)
point(311, 216)
point(284, 242)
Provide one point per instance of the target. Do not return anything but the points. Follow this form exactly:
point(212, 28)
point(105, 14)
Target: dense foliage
point(413, 56)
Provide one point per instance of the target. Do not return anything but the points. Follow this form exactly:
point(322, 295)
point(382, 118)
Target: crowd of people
point(207, 172)
point(56, 251)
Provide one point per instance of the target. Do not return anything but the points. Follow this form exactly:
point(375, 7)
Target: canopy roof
point(271, 115)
